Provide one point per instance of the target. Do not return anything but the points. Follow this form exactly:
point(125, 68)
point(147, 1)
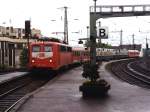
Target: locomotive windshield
point(36, 48)
point(47, 48)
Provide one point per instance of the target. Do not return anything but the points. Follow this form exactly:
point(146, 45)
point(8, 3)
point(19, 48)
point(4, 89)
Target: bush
point(24, 58)
point(3, 67)
point(90, 72)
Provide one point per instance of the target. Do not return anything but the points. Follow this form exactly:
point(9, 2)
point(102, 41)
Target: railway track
point(12, 91)
point(131, 72)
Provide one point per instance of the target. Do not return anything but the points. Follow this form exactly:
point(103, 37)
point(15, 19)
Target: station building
point(12, 41)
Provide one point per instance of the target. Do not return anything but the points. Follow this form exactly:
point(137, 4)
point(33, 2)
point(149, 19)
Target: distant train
point(133, 53)
point(54, 55)
point(105, 54)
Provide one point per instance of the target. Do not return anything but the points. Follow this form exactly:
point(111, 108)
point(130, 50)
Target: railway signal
point(27, 31)
point(27, 28)
point(27, 35)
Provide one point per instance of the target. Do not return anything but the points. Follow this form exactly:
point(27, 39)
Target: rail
point(123, 71)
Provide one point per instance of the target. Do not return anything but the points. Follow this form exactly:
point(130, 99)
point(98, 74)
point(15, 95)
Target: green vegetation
point(98, 45)
point(24, 58)
point(94, 86)
point(3, 67)
point(103, 45)
point(90, 72)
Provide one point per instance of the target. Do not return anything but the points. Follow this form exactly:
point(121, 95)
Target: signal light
point(27, 28)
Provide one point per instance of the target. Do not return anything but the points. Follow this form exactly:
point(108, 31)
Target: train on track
point(105, 54)
point(55, 55)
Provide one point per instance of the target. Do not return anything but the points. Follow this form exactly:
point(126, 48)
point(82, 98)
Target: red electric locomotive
point(54, 55)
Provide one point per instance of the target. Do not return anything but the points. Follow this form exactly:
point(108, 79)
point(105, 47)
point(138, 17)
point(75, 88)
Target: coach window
point(84, 53)
point(36, 48)
point(78, 53)
point(47, 48)
point(63, 48)
point(69, 49)
point(75, 53)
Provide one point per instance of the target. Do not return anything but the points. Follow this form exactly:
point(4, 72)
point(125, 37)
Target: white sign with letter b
point(103, 32)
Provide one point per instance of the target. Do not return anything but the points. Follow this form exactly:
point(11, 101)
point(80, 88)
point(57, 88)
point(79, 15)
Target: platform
point(62, 95)
point(9, 76)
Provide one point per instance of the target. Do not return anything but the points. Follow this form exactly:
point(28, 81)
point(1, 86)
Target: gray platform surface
point(62, 95)
point(9, 76)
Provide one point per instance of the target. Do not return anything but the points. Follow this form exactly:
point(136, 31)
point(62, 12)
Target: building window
point(19, 46)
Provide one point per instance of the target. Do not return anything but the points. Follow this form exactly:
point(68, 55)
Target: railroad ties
point(130, 71)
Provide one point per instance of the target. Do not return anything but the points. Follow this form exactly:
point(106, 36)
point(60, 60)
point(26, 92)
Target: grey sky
point(41, 12)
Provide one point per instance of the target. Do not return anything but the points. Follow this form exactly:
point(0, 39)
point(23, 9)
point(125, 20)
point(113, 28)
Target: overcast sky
point(41, 12)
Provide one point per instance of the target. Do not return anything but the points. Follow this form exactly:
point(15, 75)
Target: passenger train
point(54, 55)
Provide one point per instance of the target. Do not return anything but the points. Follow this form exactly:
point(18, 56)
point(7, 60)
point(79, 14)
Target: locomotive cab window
point(47, 48)
point(36, 48)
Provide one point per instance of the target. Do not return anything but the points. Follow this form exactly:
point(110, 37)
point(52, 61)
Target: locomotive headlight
point(33, 61)
point(50, 60)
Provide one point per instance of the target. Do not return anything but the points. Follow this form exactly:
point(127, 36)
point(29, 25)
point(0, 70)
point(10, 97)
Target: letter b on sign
point(103, 33)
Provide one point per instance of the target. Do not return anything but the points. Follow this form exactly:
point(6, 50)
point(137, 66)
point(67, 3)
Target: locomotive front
point(41, 56)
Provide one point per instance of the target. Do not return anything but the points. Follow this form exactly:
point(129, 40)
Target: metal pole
point(146, 54)
point(87, 31)
point(146, 44)
point(133, 42)
point(93, 36)
point(28, 41)
point(121, 38)
point(65, 26)
point(99, 37)
point(146, 48)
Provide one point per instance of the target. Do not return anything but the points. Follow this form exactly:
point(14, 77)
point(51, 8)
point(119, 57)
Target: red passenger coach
point(133, 53)
point(80, 54)
point(51, 55)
